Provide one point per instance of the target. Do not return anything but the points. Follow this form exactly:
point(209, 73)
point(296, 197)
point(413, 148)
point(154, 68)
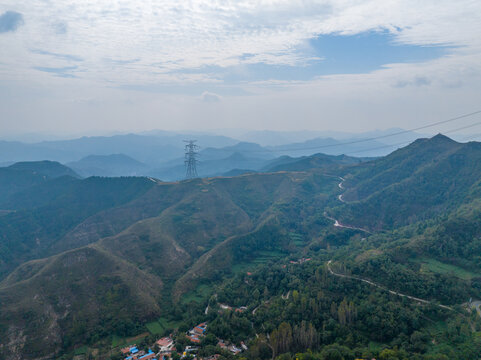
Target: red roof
point(165, 341)
point(194, 339)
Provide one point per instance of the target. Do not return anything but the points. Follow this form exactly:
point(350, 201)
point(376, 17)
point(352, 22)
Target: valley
point(100, 263)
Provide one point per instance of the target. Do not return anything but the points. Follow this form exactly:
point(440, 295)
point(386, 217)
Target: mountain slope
point(49, 169)
point(174, 244)
point(316, 161)
point(413, 183)
point(108, 165)
point(48, 211)
point(23, 175)
point(62, 303)
point(141, 248)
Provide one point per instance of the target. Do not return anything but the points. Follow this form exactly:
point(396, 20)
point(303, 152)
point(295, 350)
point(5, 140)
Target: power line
point(375, 137)
point(408, 142)
point(463, 128)
point(191, 159)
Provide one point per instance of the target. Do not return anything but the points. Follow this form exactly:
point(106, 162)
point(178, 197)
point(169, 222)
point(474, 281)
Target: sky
point(98, 66)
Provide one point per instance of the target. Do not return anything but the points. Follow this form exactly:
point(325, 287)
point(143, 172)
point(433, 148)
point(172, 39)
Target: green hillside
point(85, 261)
point(317, 161)
point(174, 233)
point(76, 297)
point(45, 213)
point(49, 169)
point(415, 183)
point(23, 175)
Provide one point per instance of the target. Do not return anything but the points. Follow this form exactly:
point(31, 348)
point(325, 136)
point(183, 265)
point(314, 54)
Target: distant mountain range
point(108, 165)
point(160, 154)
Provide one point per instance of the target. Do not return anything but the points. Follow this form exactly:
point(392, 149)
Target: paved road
point(384, 288)
point(341, 186)
point(338, 224)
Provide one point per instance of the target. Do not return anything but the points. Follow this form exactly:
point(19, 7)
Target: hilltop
point(419, 181)
point(23, 175)
point(92, 258)
point(108, 165)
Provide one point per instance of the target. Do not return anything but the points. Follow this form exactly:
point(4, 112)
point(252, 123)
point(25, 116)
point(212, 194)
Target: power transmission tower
point(191, 159)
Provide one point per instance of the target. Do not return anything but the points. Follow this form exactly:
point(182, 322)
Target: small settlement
point(166, 346)
point(136, 354)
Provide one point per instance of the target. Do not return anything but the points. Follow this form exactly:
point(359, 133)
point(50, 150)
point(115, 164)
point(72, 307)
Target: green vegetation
point(95, 262)
point(200, 294)
point(442, 268)
point(298, 239)
point(117, 340)
point(81, 350)
point(155, 328)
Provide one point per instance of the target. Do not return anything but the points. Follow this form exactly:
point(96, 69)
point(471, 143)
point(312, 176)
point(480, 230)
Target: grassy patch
point(261, 258)
point(443, 268)
point(166, 324)
point(265, 256)
point(120, 341)
point(161, 325)
point(81, 350)
point(154, 328)
point(117, 340)
point(200, 294)
point(241, 267)
point(297, 239)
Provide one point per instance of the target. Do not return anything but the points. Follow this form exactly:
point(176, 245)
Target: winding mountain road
point(341, 186)
point(476, 304)
point(384, 288)
point(336, 222)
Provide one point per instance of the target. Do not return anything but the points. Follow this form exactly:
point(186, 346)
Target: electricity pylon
point(190, 159)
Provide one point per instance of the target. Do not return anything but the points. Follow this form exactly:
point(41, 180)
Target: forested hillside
point(173, 233)
point(327, 258)
point(422, 180)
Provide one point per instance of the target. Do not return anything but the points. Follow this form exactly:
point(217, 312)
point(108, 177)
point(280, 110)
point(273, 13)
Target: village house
point(149, 356)
point(234, 349)
point(222, 344)
point(165, 344)
point(197, 332)
point(135, 354)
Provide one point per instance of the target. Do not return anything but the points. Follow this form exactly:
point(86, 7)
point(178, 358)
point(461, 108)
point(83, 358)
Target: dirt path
point(384, 288)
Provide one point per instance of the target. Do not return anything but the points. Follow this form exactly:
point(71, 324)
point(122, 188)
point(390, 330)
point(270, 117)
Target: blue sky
point(76, 66)
point(335, 54)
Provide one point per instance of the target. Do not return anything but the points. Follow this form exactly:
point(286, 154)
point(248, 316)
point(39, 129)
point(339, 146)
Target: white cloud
point(158, 44)
point(190, 34)
point(210, 97)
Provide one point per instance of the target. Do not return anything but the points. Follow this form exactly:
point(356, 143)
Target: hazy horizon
point(97, 68)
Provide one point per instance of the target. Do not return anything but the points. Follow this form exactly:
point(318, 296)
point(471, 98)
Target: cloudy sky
point(92, 66)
